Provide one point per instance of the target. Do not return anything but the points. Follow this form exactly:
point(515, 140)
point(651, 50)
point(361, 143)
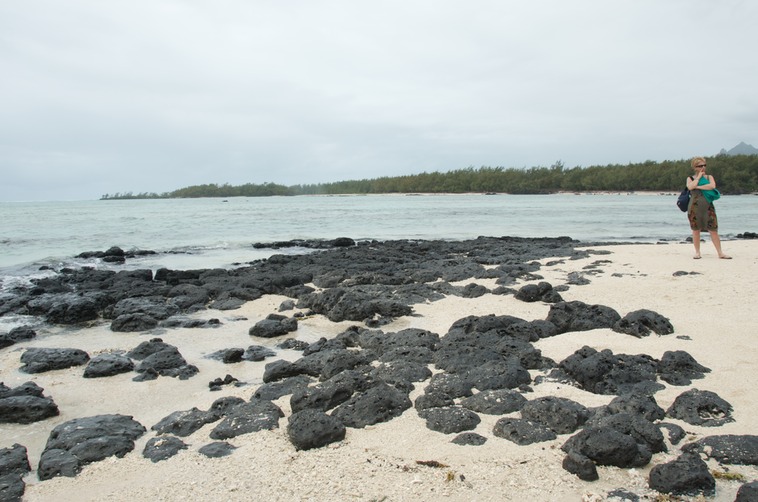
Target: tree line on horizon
point(736, 174)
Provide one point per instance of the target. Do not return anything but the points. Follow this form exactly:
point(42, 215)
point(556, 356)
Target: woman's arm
point(710, 185)
point(692, 182)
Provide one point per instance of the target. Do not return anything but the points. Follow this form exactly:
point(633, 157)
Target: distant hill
point(741, 149)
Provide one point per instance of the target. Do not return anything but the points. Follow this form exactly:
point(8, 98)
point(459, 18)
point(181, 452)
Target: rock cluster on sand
point(364, 376)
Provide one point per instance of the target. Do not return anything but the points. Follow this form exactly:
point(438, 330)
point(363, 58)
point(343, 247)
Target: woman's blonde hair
point(696, 160)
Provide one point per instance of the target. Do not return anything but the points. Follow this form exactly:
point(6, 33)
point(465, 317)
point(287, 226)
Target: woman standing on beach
point(701, 213)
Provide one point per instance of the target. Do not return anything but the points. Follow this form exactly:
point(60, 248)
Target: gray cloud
point(103, 97)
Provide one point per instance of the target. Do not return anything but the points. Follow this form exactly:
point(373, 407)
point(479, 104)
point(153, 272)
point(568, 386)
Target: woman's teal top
point(710, 195)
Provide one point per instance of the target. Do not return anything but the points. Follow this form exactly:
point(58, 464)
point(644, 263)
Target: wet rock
point(608, 446)
point(81, 441)
point(380, 403)
point(312, 428)
point(451, 419)
point(40, 360)
point(495, 402)
point(469, 439)
point(272, 326)
point(561, 415)
point(246, 418)
point(687, 475)
point(256, 353)
point(698, 407)
point(578, 316)
point(162, 448)
point(217, 383)
point(522, 431)
point(105, 365)
point(677, 367)
point(166, 360)
point(184, 423)
point(643, 322)
point(729, 449)
point(217, 449)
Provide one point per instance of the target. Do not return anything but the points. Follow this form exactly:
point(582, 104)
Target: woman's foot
point(725, 257)
point(696, 257)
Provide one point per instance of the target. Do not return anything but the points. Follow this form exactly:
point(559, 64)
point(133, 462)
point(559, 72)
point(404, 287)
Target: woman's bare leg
point(696, 242)
point(716, 240)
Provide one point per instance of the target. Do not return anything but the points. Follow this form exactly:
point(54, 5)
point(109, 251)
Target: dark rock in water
point(162, 448)
point(257, 353)
point(578, 316)
point(216, 384)
point(183, 322)
point(469, 439)
point(246, 418)
point(561, 415)
point(293, 344)
point(495, 402)
point(451, 419)
point(217, 449)
point(184, 423)
point(687, 475)
point(273, 325)
point(380, 403)
point(608, 446)
point(679, 368)
point(698, 407)
point(642, 322)
point(81, 441)
point(583, 467)
point(275, 390)
point(105, 365)
point(522, 432)
point(637, 404)
point(607, 373)
point(40, 360)
point(729, 449)
point(131, 323)
point(538, 292)
point(19, 334)
point(622, 494)
point(312, 428)
point(747, 492)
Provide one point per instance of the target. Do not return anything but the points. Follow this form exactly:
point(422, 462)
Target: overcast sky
point(114, 96)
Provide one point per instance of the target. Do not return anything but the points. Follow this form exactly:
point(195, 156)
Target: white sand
point(714, 308)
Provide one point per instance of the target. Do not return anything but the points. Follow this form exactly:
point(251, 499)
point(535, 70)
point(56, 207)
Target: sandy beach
point(709, 307)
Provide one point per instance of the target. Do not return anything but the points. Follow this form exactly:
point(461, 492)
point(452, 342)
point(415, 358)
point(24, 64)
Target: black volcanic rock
point(40, 360)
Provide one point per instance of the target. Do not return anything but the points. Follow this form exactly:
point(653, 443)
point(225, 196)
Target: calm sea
point(204, 233)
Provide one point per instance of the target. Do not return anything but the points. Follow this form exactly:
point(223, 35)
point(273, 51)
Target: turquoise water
point(202, 233)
